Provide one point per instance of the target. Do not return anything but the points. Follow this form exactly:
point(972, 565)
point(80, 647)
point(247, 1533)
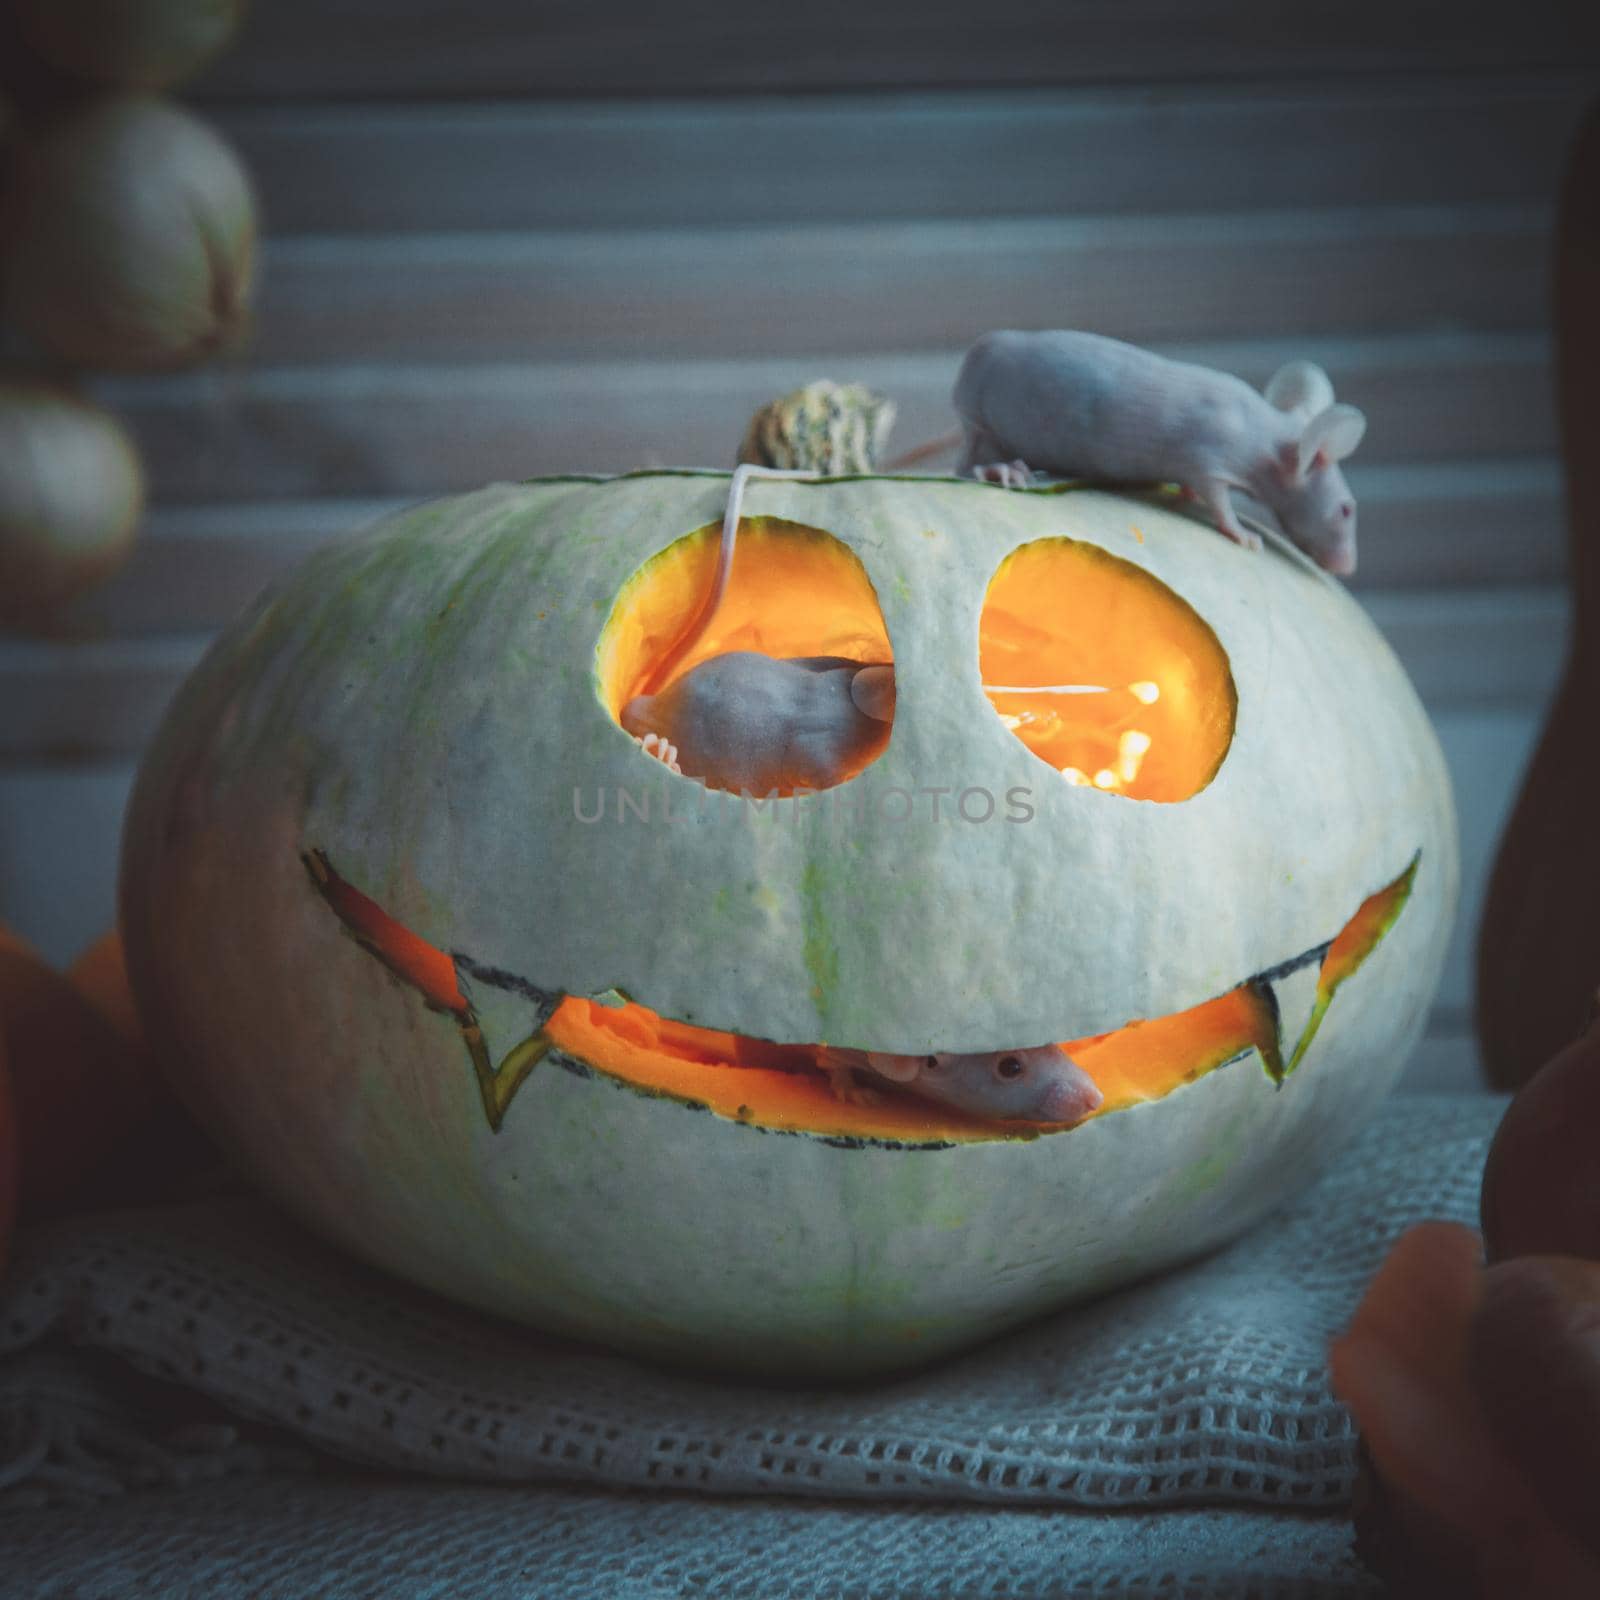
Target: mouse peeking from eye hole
point(748, 722)
point(744, 721)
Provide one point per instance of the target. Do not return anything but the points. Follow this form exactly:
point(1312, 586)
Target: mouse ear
point(1300, 386)
point(872, 689)
point(902, 1069)
point(1332, 434)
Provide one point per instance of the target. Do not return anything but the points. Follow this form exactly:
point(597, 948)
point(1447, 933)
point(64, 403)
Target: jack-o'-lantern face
point(1142, 794)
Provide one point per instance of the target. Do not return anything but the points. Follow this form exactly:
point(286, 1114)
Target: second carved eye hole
point(931, 1064)
point(1104, 672)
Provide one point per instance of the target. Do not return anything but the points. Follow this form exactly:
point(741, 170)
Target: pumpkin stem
point(833, 429)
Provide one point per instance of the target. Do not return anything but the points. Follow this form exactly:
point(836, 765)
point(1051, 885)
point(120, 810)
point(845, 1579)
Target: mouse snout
point(1070, 1095)
point(1341, 559)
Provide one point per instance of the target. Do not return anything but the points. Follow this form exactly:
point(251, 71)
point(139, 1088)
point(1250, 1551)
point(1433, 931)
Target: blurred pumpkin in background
point(78, 1086)
point(144, 44)
point(127, 242)
point(71, 493)
point(130, 236)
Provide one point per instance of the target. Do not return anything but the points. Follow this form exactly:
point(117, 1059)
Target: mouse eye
point(1008, 1067)
point(1347, 510)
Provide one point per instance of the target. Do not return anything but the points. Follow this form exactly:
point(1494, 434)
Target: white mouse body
point(1041, 1084)
point(752, 723)
point(1080, 405)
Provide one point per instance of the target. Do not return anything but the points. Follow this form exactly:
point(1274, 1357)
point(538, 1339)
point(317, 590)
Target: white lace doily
point(1208, 1385)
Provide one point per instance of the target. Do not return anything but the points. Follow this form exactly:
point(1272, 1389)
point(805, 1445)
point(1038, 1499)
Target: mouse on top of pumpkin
point(1079, 405)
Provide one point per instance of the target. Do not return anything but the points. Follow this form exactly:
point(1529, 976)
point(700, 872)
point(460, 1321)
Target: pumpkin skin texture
point(417, 706)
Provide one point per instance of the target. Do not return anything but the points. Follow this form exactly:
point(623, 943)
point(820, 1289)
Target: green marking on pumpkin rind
point(498, 1085)
point(1214, 1166)
point(820, 952)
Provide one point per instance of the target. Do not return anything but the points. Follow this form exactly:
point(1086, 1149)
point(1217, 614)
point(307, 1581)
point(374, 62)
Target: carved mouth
point(509, 1026)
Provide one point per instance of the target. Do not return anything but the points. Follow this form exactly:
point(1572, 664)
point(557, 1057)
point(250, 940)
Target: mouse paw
point(1008, 474)
point(667, 754)
point(848, 1087)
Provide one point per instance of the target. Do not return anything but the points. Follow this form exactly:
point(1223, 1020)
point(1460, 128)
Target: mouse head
point(1041, 1084)
point(1314, 503)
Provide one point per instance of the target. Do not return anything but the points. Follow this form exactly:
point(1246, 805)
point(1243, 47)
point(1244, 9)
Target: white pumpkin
point(426, 716)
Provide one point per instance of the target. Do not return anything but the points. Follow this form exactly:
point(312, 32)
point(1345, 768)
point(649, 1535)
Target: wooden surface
point(468, 278)
point(443, 47)
point(1189, 148)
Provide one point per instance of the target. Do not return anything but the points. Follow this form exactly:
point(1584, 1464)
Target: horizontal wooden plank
point(1473, 523)
point(699, 293)
point(90, 700)
point(446, 47)
point(60, 831)
point(1459, 523)
point(384, 430)
point(1476, 646)
point(193, 567)
point(1176, 148)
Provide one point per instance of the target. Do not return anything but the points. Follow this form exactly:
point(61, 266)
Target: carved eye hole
point(931, 1064)
point(1103, 672)
point(1008, 1068)
point(794, 591)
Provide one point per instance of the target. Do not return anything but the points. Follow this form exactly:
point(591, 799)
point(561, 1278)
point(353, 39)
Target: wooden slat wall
point(459, 289)
point(448, 47)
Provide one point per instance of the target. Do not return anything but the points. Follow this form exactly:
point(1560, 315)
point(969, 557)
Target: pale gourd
point(71, 494)
point(131, 236)
point(488, 995)
point(146, 44)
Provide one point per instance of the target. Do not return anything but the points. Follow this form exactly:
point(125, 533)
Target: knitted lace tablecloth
point(172, 1347)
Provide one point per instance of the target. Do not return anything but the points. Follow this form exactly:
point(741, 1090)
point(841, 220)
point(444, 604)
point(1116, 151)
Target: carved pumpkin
point(485, 993)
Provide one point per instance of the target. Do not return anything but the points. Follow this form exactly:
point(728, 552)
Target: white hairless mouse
point(1080, 405)
point(752, 723)
point(1041, 1084)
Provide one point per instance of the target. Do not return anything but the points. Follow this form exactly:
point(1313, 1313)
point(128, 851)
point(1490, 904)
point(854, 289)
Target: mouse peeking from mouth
point(1041, 1084)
